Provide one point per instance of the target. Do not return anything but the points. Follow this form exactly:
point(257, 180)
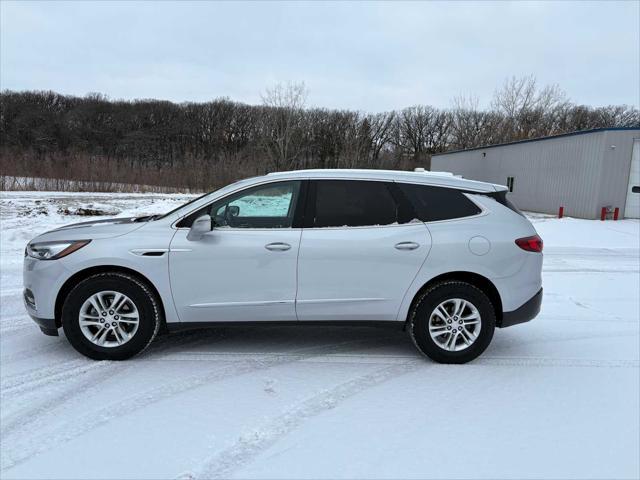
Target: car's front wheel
point(111, 316)
point(452, 322)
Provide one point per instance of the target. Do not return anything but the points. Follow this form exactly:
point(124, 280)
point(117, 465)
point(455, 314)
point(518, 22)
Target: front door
point(361, 253)
point(245, 268)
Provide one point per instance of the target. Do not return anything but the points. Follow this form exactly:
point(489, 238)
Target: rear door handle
point(277, 246)
point(407, 245)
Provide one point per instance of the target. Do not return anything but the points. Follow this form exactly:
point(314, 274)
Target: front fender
point(127, 252)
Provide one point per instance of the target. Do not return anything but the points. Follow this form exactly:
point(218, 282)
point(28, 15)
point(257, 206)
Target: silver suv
point(445, 258)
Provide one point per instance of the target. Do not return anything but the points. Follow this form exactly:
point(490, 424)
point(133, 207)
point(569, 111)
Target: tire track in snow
point(28, 419)
point(13, 329)
point(11, 292)
point(615, 252)
point(46, 376)
point(248, 446)
point(555, 362)
point(329, 358)
point(60, 371)
point(18, 450)
point(589, 270)
point(571, 318)
point(370, 358)
point(29, 353)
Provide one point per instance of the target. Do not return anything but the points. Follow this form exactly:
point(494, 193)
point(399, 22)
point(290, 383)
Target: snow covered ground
point(555, 398)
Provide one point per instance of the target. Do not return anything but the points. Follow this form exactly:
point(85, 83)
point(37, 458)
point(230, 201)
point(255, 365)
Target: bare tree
point(471, 126)
point(285, 103)
point(527, 110)
point(380, 133)
point(519, 95)
point(422, 131)
point(96, 143)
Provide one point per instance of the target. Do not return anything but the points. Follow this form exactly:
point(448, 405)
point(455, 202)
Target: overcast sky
point(367, 56)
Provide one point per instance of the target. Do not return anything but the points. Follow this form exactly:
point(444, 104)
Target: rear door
point(359, 251)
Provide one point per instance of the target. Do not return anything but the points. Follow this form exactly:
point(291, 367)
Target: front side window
point(264, 206)
point(353, 203)
point(433, 203)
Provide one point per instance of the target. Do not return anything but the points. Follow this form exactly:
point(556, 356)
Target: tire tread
point(141, 284)
point(424, 295)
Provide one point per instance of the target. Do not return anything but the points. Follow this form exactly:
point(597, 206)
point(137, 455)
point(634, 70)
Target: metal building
point(582, 171)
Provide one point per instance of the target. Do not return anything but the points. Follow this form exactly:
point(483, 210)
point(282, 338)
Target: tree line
point(95, 141)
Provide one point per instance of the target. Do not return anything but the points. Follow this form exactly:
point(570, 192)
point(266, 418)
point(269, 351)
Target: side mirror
point(233, 210)
point(199, 227)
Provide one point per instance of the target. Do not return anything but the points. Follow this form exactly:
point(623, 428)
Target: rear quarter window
point(432, 203)
point(501, 198)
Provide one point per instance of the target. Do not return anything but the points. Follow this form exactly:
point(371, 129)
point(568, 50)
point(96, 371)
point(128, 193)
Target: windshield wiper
point(146, 218)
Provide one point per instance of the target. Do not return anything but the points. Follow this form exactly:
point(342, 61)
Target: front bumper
point(526, 312)
point(47, 325)
point(42, 280)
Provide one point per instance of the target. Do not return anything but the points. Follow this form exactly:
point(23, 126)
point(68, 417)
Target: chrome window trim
point(483, 210)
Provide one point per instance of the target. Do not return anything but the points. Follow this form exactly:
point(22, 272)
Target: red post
point(603, 213)
point(561, 212)
point(616, 212)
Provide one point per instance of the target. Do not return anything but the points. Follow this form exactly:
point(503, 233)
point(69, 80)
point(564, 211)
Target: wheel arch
point(475, 279)
point(81, 275)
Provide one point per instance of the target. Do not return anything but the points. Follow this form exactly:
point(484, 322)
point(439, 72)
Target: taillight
point(530, 244)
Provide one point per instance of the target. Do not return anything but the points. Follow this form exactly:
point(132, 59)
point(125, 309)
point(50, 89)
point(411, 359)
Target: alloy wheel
point(455, 324)
point(109, 319)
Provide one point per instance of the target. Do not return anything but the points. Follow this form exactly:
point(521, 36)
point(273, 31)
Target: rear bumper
point(526, 312)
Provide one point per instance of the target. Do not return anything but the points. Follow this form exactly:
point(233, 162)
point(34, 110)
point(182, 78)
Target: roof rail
point(436, 173)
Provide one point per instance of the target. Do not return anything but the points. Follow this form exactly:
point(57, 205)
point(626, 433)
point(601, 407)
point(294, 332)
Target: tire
point(137, 324)
point(467, 343)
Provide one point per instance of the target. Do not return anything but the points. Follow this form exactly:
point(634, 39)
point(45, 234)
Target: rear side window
point(353, 203)
point(438, 203)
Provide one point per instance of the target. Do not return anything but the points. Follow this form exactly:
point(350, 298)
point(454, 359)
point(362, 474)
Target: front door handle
point(277, 246)
point(407, 245)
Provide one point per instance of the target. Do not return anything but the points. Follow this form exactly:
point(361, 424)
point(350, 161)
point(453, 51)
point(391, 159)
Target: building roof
point(570, 134)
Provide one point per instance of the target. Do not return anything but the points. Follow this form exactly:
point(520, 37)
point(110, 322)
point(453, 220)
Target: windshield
point(231, 186)
point(181, 206)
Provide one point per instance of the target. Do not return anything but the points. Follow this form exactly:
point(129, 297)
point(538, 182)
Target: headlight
point(54, 250)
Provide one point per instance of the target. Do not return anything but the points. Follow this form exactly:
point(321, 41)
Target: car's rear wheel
point(452, 322)
point(111, 316)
